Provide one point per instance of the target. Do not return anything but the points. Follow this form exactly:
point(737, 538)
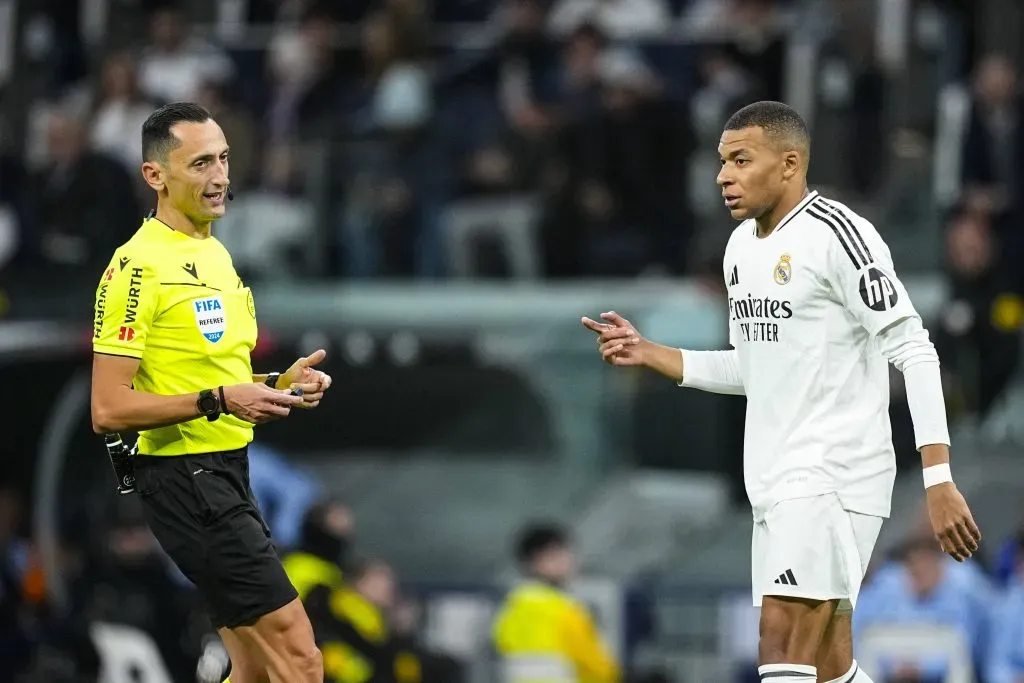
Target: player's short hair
point(780, 122)
point(538, 537)
point(157, 138)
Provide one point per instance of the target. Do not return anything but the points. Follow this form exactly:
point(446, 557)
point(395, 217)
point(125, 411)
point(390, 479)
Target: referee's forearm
point(130, 410)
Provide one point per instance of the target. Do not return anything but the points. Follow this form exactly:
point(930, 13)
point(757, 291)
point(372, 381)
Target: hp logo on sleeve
point(877, 290)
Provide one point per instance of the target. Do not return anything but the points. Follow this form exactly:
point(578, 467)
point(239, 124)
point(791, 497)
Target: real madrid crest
point(783, 270)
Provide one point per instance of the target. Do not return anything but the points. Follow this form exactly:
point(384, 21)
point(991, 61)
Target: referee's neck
point(176, 220)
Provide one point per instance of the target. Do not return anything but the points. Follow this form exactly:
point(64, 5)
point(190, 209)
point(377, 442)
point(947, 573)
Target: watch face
point(208, 403)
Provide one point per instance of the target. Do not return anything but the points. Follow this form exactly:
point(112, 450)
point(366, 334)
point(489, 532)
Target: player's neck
point(176, 220)
point(767, 223)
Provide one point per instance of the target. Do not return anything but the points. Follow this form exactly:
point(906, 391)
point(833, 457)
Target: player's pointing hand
point(618, 341)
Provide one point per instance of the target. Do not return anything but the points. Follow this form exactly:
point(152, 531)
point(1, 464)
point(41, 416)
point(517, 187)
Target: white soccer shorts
point(814, 549)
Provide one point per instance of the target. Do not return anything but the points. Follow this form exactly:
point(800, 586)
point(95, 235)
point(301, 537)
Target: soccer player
point(815, 312)
point(174, 327)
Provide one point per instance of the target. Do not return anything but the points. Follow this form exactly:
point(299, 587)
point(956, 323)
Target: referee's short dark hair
point(157, 138)
point(538, 537)
point(780, 122)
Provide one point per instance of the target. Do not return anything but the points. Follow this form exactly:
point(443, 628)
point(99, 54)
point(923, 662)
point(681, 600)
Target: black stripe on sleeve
point(853, 228)
point(833, 215)
point(839, 235)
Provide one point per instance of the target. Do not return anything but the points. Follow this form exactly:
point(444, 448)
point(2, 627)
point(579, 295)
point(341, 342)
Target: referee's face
point(751, 177)
point(197, 174)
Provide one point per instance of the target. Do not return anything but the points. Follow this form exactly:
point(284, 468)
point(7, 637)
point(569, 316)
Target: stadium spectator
point(621, 19)
point(353, 629)
point(624, 169)
point(541, 632)
point(323, 549)
point(119, 106)
point(994, 141)
point(982, 317)
point(924, 587)
point(83, 203)
point(175, 63)
point(1005, 652)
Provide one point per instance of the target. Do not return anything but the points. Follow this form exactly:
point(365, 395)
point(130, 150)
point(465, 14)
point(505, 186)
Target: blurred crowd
point(386, 123)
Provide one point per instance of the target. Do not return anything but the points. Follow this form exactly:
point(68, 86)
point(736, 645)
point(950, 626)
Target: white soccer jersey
point(805, 306)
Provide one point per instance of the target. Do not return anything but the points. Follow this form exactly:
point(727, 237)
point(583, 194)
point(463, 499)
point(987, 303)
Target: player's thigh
point(835, 653)
point(284, 639)
point(801, 569)
point(791, 629)
point(246, 663)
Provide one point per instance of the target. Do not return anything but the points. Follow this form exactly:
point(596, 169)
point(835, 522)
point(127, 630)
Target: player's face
point(752, 172)
point(197, 171)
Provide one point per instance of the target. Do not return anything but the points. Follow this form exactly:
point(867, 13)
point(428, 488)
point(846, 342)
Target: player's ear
point(153, 174)
point(791, 164)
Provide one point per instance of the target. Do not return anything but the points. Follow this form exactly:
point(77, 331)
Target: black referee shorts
point(202, 511)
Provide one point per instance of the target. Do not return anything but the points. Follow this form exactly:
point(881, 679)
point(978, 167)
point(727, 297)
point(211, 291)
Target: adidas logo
point(786, 578)
point(734, 278)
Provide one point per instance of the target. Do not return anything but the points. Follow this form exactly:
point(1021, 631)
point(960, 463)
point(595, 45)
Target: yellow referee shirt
point(177, 304)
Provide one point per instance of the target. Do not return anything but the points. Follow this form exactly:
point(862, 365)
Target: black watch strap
point(271, 380)
point(209, 404)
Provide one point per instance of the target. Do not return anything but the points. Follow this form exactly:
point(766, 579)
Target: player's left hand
point(302, 375)
point(952, 521)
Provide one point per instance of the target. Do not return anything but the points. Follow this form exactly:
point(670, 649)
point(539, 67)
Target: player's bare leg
point(835, 654)
point(792, 630)
point(285, 645)
point(246, 666)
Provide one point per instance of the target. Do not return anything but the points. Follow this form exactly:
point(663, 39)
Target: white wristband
point(937, 474)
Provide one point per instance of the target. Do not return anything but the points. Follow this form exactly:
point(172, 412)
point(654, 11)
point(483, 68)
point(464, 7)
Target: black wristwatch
point(271, 380)
point(209, 404)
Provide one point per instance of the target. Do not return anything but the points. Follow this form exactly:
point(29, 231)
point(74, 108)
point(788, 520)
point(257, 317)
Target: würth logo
point(787, 578)
point(734, 278)
point(190, 268)
point(126, 334)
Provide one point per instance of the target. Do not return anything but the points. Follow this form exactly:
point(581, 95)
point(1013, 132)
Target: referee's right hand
point(257, 403)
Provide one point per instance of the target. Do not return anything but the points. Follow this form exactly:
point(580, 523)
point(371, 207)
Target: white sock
point(854, 675)
point(787, 673)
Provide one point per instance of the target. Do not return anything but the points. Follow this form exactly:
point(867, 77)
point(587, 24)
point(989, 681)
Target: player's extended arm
point(117, 407)
point(714, 371)
point(619, 343)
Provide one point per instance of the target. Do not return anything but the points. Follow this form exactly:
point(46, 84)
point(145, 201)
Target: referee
point(174, 326)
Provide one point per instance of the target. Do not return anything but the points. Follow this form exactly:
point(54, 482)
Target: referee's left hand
point(302, 375)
